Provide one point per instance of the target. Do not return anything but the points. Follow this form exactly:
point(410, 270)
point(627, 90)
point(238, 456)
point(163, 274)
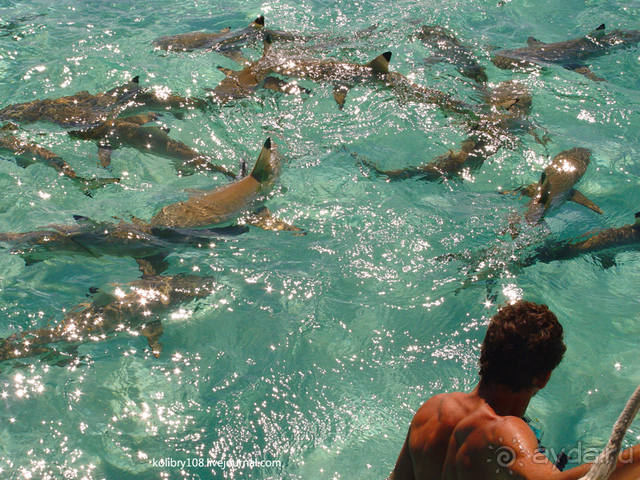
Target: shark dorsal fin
point(225, 70)
point(135, 79)
point(598, 32)
point(259, 22)
point(534, 42)
point(380, 64)
point(268, 41)
point(263, 168)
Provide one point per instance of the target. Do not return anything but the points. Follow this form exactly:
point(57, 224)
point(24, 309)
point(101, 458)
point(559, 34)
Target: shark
point(448, 48)
point(227, 42)
point(204, 217)
point(149, 246)
point(241, 198)
point(27, 153)
point(504, 113)
point(136, 308)
point(603, 244)
point(570, 54)
point(98, 117)
point(556, 185)
point(342, 75)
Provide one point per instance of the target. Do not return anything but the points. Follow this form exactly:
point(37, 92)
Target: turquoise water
point(315, 350)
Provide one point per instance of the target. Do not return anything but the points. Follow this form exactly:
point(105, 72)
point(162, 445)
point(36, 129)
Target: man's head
point(522, 346)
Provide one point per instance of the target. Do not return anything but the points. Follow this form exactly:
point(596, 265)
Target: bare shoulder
point(503, 447)
point(443, 406)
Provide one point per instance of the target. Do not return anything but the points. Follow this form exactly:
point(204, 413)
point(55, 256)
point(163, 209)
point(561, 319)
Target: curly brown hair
point(524, 341)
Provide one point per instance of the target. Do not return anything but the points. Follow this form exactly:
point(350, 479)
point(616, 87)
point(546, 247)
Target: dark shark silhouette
point(27, 153)
point(570, 54)
point(603, 244)
point(342, 75)
point(449, 49)
point(135, 308)
point(97, 117)
point(147, 245)
point(556, 185)
point(227, 42)
point(179, 223)
point(504, 114)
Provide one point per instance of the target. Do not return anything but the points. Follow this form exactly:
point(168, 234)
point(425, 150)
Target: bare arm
point(404, 466)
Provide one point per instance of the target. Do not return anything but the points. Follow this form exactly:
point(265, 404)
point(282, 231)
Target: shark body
point(570, 54)
point(448, 48)
point(504, 113)
point(341, 74)
point(97, 117)
point(556, 184)
point(135, 308)
point(227, 41)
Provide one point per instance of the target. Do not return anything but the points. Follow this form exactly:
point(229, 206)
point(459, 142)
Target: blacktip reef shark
point(149, 246)
point(134, 308)
point(342, 75)
point(27, 153)
point(556, 185)
point(227, 42)
point(570, 54)
point(603, 245)
point(449, 49)
point(97, 117)
point(237, 199)
point(179, 223)
point(504, 113)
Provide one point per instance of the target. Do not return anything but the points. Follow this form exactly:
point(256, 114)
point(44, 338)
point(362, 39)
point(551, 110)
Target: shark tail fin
point(264, 168)
point(380, 64)
point(259, 22)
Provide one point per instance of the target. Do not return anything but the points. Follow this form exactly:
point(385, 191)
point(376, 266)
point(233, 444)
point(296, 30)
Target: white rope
point(606, 462)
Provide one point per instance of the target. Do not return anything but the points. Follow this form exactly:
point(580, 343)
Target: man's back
point(458, 436)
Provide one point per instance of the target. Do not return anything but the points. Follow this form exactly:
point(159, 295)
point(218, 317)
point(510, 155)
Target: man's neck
point(503, 400)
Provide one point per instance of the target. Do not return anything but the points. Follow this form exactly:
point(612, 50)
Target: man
point(481, 435)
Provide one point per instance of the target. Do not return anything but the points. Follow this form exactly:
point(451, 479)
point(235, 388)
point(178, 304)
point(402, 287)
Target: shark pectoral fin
point(10, 127)
point(433, 59)
point(226, 71)
point(526, 191)
point(279, 85)
point(340, 94)
point(606, 260)
point(152, 265)
point(101, 299)
point(236, 55)
point(534, 42)
point(589, 74)
point(380, 64)
point(263, 218)
point(153, 331)
point(578, 197)
point(104, 154)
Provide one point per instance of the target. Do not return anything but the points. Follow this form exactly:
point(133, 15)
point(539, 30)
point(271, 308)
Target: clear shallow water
point(315, 350)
